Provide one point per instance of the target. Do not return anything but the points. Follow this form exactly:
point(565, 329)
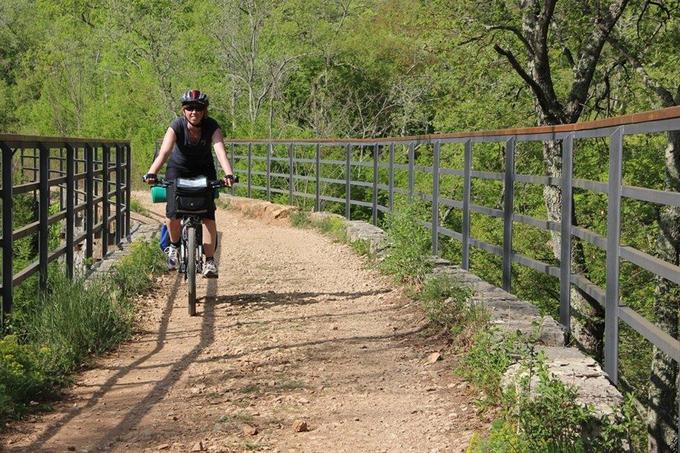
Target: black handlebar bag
point(193, 196)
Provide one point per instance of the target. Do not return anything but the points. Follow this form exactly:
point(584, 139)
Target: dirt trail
point(295, 329)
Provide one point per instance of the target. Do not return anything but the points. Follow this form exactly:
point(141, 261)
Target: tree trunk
point(662, 417)
point(587, 326)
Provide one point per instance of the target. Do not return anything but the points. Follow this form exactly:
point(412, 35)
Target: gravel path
point(297, 347)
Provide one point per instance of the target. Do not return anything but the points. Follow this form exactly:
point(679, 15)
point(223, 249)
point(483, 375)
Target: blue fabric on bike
point(164, 237)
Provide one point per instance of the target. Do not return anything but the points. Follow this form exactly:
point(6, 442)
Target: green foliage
point(135, 273)
point(23, 375)
point(362, 247)
point(409, 244)
point(546, 412)
point(538, 412)
point(447, 304)
point(332, 226)
point(300, 219)
point(489, 358)
point(502, 438)
point(136, 206)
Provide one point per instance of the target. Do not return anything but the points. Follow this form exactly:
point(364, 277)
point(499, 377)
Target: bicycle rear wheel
point(191, 270)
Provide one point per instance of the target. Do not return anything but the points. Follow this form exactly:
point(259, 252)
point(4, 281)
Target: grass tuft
point(409, 244)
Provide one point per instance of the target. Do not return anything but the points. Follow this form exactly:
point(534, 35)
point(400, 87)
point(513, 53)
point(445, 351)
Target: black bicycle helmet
point(195, 97)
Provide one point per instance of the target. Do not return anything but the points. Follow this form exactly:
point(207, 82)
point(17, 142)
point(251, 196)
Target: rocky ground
point(298, 346)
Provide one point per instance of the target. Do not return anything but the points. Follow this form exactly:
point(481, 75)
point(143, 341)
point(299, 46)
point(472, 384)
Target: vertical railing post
point(317, 172)
point(348, 181)
point(70, 208)
point(390, 183)
point(611, 315)
point(89, 201)
point(411, 169)
point(269, 171)
point(565, 232)
point(374, 201)
point(7, 242)
point(467, 169)
point(507, 212)
point(43, 215)
point(128, 189)
point(435, 198)
point(232, 149)
point(22, 153)
point(105, 200)
point(250, 170)
point(61, 173)
point(119, 194)
point(291, 172)
point(36, 164)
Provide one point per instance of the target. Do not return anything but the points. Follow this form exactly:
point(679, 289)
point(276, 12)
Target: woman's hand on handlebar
point(150, 178)
point(229, 180)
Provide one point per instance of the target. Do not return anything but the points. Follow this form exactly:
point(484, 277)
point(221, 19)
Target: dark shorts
point(170, 209)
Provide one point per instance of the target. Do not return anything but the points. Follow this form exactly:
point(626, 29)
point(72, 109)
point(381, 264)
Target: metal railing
point(90, 178)
point(264, 162)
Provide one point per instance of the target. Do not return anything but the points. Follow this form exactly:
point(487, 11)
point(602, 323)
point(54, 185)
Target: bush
point(332, 226)
point(409, 255)
point(23, 376)
point(489, 358)
point(540, 413)
point(299, 219)
point(74, 320)
point(135, 273)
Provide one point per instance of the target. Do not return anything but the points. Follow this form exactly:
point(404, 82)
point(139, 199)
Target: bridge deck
point(295, 329)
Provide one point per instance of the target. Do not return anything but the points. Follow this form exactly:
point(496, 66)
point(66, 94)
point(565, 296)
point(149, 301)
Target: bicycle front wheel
point(191, 270)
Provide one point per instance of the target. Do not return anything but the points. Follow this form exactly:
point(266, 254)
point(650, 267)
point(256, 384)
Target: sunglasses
point(194, 108)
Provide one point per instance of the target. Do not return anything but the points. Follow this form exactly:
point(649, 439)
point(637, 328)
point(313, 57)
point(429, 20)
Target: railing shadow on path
point(111, 381)
point(160, 389)
point(350, 340)
point(273, 298)
point(278, 320)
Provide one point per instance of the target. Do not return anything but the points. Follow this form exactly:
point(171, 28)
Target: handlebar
point(213, 184)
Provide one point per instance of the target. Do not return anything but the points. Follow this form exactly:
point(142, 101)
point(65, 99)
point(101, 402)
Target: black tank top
point(192, 159)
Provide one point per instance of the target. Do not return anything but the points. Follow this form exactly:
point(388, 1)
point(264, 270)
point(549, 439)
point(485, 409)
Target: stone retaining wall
point(138, 231)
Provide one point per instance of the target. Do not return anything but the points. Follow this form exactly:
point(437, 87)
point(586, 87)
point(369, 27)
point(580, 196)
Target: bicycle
point(192, 198)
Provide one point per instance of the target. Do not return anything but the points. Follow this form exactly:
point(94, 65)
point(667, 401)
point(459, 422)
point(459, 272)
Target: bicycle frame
point(191, 221)
point(191, 239)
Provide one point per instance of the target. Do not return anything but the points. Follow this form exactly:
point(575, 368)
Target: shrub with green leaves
point(75, 319)
point(23, 375)
point(135, 272)
point(540, 413)
point(409, 255)
point(489, 358)
point(332, 226)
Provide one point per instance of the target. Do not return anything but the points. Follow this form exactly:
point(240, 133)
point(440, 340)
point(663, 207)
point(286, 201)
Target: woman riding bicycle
point(187, 143)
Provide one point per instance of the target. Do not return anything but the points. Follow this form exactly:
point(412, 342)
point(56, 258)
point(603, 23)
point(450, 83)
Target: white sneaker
point(210, 269)
point(171, 252)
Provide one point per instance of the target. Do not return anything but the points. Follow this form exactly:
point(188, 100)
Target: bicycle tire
point(191, 270)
